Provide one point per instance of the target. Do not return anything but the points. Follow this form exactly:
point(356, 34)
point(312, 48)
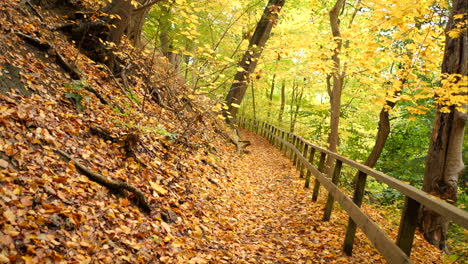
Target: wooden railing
point(302, 153)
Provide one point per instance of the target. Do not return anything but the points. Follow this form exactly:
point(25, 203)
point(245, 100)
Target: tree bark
point(291, 106)
point(165, 39)
point(90, 35)
point(253, 101)
point(382, 135)
point(338, 79)
point(270, 96)
point(444, 164)
point(251, 57)
point(298, 101)
point(283, 102)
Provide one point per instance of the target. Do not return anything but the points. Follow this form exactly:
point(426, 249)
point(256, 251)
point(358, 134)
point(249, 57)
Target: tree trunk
point(337, 77)
point(298, 101)
point(444, 164)
point(90, 35)
point(338, 80)
point(131, 19)
point(253, 101)
point(382, 135)
point(165, 27)
point(270, 96)
point(291, 107)
point(251, 57)
point(283, 102)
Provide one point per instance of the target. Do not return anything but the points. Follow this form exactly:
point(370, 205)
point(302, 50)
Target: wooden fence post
point(281, 135)
point(331, 199)
point(263, 129)
point(309, 173)
point(357, 199)
point(323, 157)
point(267, 131)
point(408, 223)
point(286, 148)
point(300, 147)
point(272, 133)
point(276, 137)
point(304, 154)
point(293, 143)
point(273, 136)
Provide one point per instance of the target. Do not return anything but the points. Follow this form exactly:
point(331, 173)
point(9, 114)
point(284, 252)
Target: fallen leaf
point(3, 163)
point(158, 188)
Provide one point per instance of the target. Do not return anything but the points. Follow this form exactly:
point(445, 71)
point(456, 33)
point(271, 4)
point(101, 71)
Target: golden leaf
point(158, 188)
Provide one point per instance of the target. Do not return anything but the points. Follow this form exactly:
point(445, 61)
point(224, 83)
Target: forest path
point(261, 213)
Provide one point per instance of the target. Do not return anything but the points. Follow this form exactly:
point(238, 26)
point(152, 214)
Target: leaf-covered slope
point(50, 211)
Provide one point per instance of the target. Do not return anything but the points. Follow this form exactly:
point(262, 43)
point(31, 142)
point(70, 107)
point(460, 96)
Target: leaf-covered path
point(261, 213)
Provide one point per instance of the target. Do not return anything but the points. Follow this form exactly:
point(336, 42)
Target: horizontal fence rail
point(302, 153)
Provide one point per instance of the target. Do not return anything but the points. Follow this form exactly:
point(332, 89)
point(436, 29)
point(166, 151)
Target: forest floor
point(263, 214)
point(207, 204)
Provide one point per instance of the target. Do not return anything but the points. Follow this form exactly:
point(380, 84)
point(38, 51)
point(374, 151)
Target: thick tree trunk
point(131, 19)
point(283, 102)
point(251, 57)
point(444, 164)
point(90, 35)
point(165, 39)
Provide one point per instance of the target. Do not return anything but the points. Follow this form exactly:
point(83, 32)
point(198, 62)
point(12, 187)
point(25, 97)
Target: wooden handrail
point(393, 252)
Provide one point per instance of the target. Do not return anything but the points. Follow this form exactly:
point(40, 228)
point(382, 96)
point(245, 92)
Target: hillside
point(50, 211)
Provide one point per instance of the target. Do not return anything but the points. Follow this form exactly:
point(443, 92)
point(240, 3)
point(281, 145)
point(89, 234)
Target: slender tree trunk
point(251, 57)
point(270, 96)
point(298, 101)
point(382, 135)
point(291, 107)
point(337, 77)
point(253, 101)
point(444, 164)
point(283, 102)
point(384, 127)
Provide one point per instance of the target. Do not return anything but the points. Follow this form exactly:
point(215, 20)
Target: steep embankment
point(52, 99)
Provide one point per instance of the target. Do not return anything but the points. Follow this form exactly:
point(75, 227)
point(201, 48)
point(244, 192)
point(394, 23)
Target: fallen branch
point(113, 186)
point(34, 10)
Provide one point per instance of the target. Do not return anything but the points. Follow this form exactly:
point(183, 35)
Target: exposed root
point(114, 186)
point(45, 46)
